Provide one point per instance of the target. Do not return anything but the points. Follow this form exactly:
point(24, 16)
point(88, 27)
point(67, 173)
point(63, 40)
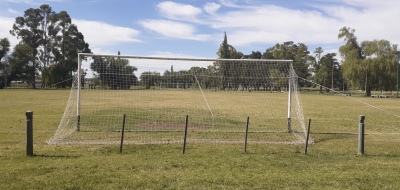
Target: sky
point(195, 28)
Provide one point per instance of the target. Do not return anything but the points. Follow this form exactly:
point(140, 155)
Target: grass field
point(158, 117)
point(332, 161)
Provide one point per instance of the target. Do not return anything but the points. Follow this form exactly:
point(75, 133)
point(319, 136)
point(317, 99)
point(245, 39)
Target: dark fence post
point(122, 133)
point(246, 134)
point(308, 135)
point(361, 131)
point(29, 133)
point(185, 135)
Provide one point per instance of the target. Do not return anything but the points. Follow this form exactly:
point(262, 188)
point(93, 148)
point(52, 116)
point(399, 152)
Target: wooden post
point(308, 135)
point(122, 133)
point(29, 133)
point(184, 137)
point(361, 131)
point(247, 132)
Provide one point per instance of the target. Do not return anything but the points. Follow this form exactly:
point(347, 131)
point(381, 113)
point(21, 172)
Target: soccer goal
point(157, 93)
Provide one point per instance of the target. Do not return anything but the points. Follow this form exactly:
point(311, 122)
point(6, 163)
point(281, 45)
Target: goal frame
point(82, 55)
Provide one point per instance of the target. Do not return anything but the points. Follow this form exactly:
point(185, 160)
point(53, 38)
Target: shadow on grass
point(327, 136)
point(52, 156)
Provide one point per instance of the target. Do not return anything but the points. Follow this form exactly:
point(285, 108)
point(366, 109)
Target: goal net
point(156, 94)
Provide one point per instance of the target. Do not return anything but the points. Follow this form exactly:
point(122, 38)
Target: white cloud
point(6, 24)
point(371, 19)
point(174, 29)
point(178, 11)
point(100, 34)
point(20, 1)
point(12, 11)
point(273, 24)
point(229, 3)
point(211, 8)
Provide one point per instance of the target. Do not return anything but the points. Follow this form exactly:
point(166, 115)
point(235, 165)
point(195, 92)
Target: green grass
point(332, 162)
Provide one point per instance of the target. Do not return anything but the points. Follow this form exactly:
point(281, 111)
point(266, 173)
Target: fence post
point(361, 131)
point(29, 133)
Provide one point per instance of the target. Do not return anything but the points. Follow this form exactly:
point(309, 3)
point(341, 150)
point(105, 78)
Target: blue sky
point(195, 28)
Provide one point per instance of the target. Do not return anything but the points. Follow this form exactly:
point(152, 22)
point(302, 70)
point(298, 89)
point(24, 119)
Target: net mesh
point(156, 95)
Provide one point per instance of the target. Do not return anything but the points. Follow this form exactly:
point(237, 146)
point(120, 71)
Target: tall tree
point(228, 70)
point(318, 52)
point(255, 55)
point(4, 65)
point(379, 59)
point(22, 66)
point(32, 30)
point(114, 73)
point(4, 47)
point(354, 71)
point(370, 65)
point(328, 72)
point(149, 79)
point(288, 50)
point(68, 41)
point(53, 38)
point(224, 52)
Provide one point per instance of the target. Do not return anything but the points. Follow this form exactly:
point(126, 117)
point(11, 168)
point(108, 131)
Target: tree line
point(48, 47)
point(49, 44)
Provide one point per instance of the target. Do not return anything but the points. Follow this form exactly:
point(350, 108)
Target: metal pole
point(397, 81)
point(366, 80)
point(290, 98)
point(29, 133)
point(361, 131)
point(78, 95)
point(333, 64)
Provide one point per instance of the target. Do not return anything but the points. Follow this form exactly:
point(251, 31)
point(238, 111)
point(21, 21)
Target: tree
point(149, 79)
point(68, 41)
point(255, 55)
point(54, 41)
point(21, 64)
point(288, 50)
point(31, 28)
point(4, 47)
point(318, 52)
point(379, 59)
point(328, 72)
point(224, 52)
point(4, 65)
point(115, 73)
point(370, 65)
point(353, 69)
point(229, 71)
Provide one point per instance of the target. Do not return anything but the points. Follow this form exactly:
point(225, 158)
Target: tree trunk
point(368, 91)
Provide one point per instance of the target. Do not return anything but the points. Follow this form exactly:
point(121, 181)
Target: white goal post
point(217, 95)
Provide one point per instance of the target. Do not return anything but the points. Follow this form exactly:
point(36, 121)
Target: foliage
point(328, 72)
point(54, 39)
point(149, 79)
point(22, 66)
point(370, 65)
point(5, 47)
point(115, 73)
point(178, 79)
point(290, 51)
point(4, 65)
point(228, 70)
